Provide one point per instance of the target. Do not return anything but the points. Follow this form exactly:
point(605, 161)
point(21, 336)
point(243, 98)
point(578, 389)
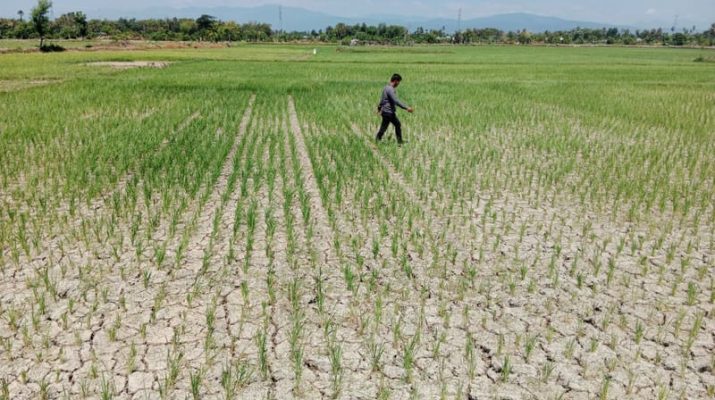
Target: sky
point(621, 12)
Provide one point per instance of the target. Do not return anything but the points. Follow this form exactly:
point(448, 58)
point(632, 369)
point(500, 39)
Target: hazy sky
point(611, 11)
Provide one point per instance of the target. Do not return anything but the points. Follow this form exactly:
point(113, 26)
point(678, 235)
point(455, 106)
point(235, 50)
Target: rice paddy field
point(219, 223)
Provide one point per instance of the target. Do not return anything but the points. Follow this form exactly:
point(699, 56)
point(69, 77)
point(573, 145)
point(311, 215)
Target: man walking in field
point(388, 109)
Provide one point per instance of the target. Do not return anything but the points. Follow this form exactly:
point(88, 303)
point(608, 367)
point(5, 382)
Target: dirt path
point(122, 65)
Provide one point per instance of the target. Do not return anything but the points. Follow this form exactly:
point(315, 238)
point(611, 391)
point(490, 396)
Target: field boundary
point(316, 201)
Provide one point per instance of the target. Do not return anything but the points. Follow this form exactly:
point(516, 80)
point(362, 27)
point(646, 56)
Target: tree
point(72, 25)
point(712, 30)
point(341, 31)
point(204, 24)
point(680, 39)
point(230, 31)
point(524, 37)
point(80, 19)
point(41, 19)
point(20, 14)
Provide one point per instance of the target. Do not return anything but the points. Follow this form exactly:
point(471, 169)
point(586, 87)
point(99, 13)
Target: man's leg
point(398, 128)
point(383, 127)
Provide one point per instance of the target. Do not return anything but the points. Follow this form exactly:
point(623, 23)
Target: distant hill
point(299, 19)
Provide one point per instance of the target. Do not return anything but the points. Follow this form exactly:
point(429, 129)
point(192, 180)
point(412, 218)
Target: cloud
point(650, 11)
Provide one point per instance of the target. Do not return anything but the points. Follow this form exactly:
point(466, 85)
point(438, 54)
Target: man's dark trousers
point(388, 119)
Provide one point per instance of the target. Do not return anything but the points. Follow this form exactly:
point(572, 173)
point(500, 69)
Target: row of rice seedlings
point(263, 188)
point(217, 270)
point(303, 257)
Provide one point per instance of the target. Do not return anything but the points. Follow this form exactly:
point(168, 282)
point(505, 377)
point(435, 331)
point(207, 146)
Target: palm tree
point(20, 14)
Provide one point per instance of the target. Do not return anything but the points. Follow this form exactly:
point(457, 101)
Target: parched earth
point(311, 299)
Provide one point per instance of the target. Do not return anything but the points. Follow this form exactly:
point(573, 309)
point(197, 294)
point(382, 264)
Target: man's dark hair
point(396, 77)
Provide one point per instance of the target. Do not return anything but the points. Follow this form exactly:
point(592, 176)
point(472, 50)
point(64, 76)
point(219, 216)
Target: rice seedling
point(529, 345)
point(335, 355)
point(228, 382)
point(131, 358)
point(4, 389)
point(234, 377)
point(694, 331)
point(569, 349)
point(195, 379)
point(408, 357)
point(692, 293)
point(44, 386)
point(261, 343)
point(639, 331)
point(107, 389)
point(505, 370)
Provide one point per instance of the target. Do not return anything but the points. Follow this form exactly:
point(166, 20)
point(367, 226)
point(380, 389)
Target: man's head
point(395, 80)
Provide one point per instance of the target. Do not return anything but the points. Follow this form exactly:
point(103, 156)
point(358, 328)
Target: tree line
point(397, 34)
point(76, 25)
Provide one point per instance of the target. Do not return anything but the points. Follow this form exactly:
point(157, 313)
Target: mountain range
point(300, 19)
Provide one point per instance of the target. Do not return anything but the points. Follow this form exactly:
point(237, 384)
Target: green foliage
point(71, 25)
point(74, 25)
point(205, 23)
